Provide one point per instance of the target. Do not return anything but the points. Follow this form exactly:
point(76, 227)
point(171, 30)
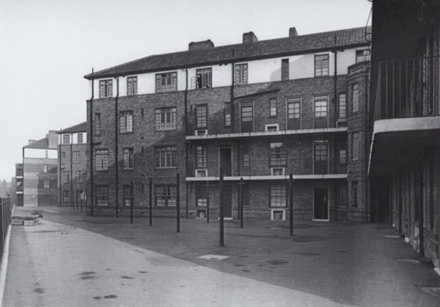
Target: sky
point(47, 46)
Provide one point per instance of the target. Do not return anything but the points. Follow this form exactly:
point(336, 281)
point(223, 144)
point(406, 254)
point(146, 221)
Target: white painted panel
point(345, 59)
point(40, 153)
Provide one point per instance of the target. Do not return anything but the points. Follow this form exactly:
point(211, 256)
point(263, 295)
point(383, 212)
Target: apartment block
point(404, 164)
point(72, 165)
point(261, 112)
point(39, 172)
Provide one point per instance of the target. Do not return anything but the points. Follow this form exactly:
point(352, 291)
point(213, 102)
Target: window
point(46, 184)
point(320, 106)
point(105, 88)
point(273, 107)
point(201, 157)
point(247, 117)
point(285, 69)
point(45, 168)
point(165, 119)
point(363, 55)
point(343, 155)
point(342, 106)
point(355, 97)
point(293, 108)
point(76, 155)
point(320, 157)
point(80, 138)
point(66, 138)
point(241, 73)
point(165, 195)
point(246, 157)
point(127, 195)
point(126, 121)
point(228, 115)
point(354, 193)
point(278, 195)
point(342, 196)
point(79, 176)
point(63, 157)
point(132, 85)
point(277, 154)
point(166, 82)
point(128, 158)
point(203, 78)
point(246, 195)
point(321, 65)
point(66, 195)
point(201, 196)
point(101, 159)
point(66, 177)
point(355, 148)
point(165, 157)
point(102, 195)
point(201, 116)
point(97, 124)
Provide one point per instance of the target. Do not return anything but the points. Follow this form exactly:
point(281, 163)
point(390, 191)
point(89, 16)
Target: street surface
point(73, 260)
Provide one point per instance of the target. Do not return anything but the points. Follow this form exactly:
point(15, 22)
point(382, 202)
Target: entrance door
point(293, 114)
point(225, 161)
point(320, 206)
point(227, 200)
point(247, 118)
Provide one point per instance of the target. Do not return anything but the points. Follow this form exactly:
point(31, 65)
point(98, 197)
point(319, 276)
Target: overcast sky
point(47, 46)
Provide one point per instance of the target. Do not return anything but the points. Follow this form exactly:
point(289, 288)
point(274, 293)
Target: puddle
point(246, 270)
point(87, 277)
point(214, 257)
point(238, 264)
point(143, 272)
point(39, 290)
point(110, 296)
point(277, 262)
point(97, 297)
point(127, 277)
point(86, 273)
point(307, 254)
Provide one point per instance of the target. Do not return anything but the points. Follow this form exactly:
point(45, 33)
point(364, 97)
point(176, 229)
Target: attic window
point(204, 78)
point(166, 82)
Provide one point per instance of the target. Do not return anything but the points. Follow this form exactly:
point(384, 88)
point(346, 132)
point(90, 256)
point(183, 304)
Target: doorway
point(320, 204)
point(225, 160)
point(227, 201)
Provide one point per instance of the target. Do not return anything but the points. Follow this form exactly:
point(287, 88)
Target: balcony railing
point(407, 88)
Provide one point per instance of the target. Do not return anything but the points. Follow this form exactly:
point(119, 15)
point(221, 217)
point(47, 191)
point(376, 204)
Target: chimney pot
point(293, 32)
point(249, 37)
point(208, 44)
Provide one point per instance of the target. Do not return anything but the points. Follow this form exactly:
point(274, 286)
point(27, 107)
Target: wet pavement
point(74, 260)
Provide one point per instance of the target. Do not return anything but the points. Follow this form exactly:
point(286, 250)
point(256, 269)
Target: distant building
point(260, 110)
point(40, 168)
point(72, 146)
point(404, 163)
point(19, 184)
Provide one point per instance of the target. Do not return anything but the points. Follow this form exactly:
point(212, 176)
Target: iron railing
point(5, 220)
point(407, 88)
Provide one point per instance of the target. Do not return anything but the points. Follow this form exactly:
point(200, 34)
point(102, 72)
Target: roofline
point(73, 130)
point(108, 75)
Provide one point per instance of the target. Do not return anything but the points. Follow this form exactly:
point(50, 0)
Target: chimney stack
point(249, 37)
point(208, 44)
point(31, 141)
point(293, 32)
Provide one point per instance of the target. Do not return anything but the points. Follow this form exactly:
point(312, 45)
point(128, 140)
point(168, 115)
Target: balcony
point(406, 110)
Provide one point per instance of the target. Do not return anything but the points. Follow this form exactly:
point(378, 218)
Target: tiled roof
point(82, 127)
point(41, 144)
point(263, 49)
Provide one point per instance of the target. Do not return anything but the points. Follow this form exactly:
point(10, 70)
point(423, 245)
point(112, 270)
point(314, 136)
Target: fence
point(5, 221)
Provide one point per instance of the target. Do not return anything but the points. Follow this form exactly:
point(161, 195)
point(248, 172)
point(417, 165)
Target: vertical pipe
point(420, 183)
point(59, 169)
point(186, 143)
point(207, 203)
point(291, 204)
point(400, 204)
point(222, 221)
point(241, 203)
point(71, 170)
point(131, 202)
point(386, 91)
point(178, 201)
point(116, 148)
point(91, 149)
point(150, 216)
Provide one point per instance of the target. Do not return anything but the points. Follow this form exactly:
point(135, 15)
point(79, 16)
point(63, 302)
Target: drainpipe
point(335, 102)
point(232, 90)
point(59, 169)
point(91, 146)
point(186, 143)
point(71, 170)
point(116, 148)
point(367, 141)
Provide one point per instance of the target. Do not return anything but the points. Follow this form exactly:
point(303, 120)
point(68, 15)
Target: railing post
point(178, 201)
point(207, 202)
point(241, 203)
point(150, 216)
point(291, 204)
point(222, 221)
point(131, 202)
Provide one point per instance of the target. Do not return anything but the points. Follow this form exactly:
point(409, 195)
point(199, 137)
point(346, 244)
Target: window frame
point(104, 196)
point(168, 196)
point(204, 77)
point(201, 193)
point(171, 87)
point(201, 156)
point(46, 184)
point(241, 73)
point(354, 194)
point(126, 125)
point(273, 153)
point(80, 138)
point(106, 88)
point(132, 85)
point(227, 115)
point(128, 158)
point(285, 69)
point(97, 124)
point(273, 108)
point(365, 56)
point(66, 195)
point(322, 65)
point(344, 104)
point(76, 157)
point(101, 159)
point(282, 198)
point(197, 116)
point(165, 113)
point(66, 139)
point(170, 155)
point(355, 98)
point(127, 196)
point(355, 150)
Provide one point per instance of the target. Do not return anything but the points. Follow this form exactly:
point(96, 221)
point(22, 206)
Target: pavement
point(74, 260)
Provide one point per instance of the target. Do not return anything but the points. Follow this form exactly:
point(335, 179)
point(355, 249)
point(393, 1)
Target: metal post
point(151, 201)
point(90, 137)
point(241, 203)
point(291, 204)
point(178, 201)
point(207, 202)
point(131, 202)
point(222, 220)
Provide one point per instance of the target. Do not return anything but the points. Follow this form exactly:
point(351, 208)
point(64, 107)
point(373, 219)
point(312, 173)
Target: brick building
point(39, 174)
point(259, 110)
point(72, 164)
point(405, 111)
point(19, 183)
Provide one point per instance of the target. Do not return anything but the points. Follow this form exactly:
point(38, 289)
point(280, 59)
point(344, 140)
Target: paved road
point(72, 260)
